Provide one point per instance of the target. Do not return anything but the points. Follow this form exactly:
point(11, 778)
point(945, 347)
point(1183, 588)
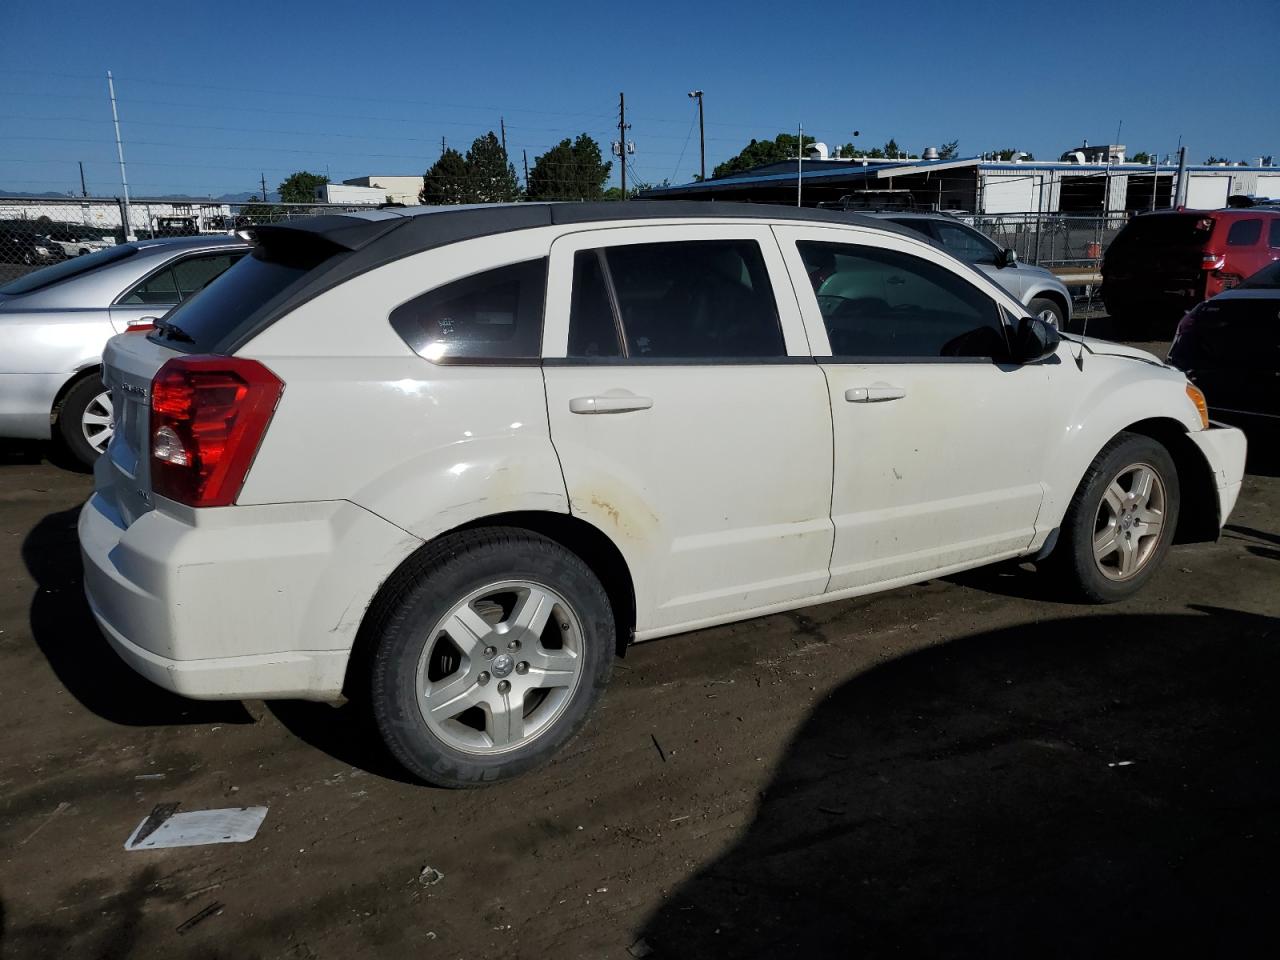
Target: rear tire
point(1120, 523)
point(86, 420)
point(490, 651)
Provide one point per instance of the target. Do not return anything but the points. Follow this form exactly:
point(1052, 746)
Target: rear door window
point(1244, 233)
point(180, 280)
point(489, 317)
point(678, 300)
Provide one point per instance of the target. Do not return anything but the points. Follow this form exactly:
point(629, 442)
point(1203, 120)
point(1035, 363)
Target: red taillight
point(1213, 261)
point(208, 416)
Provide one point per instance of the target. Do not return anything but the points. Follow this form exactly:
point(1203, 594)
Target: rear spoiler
point(323, 235)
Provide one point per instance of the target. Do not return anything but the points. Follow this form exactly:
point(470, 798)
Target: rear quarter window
point(1244, 233)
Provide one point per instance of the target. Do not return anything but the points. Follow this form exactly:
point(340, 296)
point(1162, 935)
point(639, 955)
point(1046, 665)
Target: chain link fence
point(36, 232)
point(1053, 239)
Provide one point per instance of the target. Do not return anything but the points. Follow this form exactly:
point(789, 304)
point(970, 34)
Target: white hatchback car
point(451, 461)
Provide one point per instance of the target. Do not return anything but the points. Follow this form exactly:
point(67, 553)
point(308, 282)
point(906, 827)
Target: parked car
point(54, 323)
point(449, 461)
point(1162, 264)
point(76, 241)
point(1229, 346)
point(29, 249)
point(1037, 289)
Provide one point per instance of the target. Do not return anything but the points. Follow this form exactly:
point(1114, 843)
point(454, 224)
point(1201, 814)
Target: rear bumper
point(1224, 449)
point(26, 403)
point(255, 602)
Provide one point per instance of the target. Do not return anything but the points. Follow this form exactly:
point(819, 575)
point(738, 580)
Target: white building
point(400, 188)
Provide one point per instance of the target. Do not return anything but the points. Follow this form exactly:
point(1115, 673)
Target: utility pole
point(702, 136)
point(84, 191)
point(502, 125)
point(442, 146)
point(1180, 194)
point(263, 177)
point(124, 179)
point(1155, 178)
point(525, 154)
point(623, 127)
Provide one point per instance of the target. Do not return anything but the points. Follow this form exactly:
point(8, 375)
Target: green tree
point(300, 187)
point(781, 148)
point(1142, 157)
point(571, 170)
point(847, 151)
point(891, 148)
point(490, 176)
point(949, 150)
point(447, 180)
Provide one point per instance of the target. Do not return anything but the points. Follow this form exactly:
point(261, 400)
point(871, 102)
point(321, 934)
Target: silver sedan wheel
point(499, 669)
point(1130, 522)
point(98, 422)
point(1048, 316)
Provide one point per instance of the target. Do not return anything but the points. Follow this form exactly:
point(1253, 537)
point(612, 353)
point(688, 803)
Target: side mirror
point(1008, 258)
point(1034, 340)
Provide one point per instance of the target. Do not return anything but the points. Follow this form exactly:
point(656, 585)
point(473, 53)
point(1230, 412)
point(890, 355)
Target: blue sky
point(214, 93)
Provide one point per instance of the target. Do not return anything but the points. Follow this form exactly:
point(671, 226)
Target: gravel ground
point(964, 767)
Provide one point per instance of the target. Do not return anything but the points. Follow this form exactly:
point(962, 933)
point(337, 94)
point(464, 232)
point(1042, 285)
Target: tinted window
point(196, 273)
point(491, 316)
point(67, 269)
point(1273, 234)
point(593, 331)
point(965, 244)
point(159, 288)
point(880, 303)
point(212, 317)
point(699, 299)
point(1244, 233)
point(1165, 230)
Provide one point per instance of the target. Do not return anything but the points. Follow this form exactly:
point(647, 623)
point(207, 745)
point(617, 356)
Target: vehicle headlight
point(43, 251)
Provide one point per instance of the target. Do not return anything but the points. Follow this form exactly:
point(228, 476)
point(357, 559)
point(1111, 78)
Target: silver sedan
point(55, 322)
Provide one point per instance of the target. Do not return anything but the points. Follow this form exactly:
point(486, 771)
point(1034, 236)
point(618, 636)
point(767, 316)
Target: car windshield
point(1268, 277)
point(1166, 230)
point(67, 269)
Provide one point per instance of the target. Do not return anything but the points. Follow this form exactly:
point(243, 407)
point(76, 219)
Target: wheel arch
point(1049, 293)
point(587, 541)
point(1198, 519)
point(60, 397)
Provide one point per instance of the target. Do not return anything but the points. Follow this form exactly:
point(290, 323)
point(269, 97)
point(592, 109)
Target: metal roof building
point(980, 186)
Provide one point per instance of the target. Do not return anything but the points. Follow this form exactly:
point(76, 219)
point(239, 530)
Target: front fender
point(1110, 395)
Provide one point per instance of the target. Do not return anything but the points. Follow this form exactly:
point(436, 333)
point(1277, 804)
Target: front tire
point(489, 655)
point(1121, 521)
point(1049, 311)
point(86, 420)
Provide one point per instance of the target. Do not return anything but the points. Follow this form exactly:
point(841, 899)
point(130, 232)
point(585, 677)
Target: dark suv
point(1163, 264)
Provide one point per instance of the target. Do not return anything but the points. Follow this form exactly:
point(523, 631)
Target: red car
point(1162, 264)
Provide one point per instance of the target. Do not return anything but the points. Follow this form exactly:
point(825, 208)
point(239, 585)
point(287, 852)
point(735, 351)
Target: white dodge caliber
point(450, 462)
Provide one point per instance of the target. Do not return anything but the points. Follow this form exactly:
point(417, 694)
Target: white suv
point(451, 461)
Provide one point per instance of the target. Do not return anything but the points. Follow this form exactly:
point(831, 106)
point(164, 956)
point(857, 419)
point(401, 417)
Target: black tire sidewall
point(70, 413)
point(475, 562)
point(1078, 555)
point(1043, 303)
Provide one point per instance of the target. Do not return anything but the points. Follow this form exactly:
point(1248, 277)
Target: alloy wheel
point(499, 669)
point(98, 422)
point(1129, 522)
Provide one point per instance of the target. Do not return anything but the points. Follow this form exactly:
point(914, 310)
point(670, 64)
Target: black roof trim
point(357, 243)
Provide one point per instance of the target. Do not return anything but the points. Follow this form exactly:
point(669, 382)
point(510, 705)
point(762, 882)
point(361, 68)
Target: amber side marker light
point(1197, 397)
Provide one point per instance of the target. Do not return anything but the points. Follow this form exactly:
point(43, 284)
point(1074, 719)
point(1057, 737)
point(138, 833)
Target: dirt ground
point(961, 768)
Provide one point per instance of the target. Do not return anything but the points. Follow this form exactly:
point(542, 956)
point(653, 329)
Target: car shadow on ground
point(87, 667)
point(347, 733)
point(1094, 785)
point(31, 452)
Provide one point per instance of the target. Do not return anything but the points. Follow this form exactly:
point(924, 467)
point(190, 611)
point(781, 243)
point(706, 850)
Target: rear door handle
point(874, 394)
point(609, 404)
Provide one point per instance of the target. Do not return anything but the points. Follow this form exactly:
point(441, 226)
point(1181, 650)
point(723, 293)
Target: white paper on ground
point(198, 827)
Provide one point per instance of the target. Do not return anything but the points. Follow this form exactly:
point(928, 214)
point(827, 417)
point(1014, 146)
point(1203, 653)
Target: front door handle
point(878, 393)
point(607, 403)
